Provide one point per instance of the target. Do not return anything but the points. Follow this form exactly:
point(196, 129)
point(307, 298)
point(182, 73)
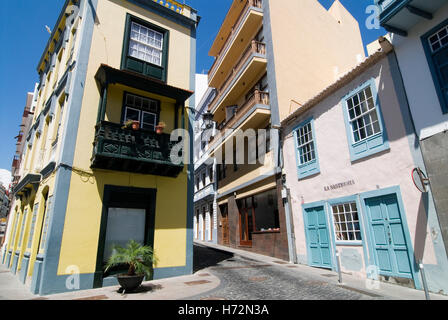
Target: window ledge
point(266, 231)
point(349, 243)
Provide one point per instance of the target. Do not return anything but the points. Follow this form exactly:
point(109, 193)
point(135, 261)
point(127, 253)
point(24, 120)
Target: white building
point(419, 34)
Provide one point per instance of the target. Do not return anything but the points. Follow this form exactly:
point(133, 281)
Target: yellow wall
point(84, 208)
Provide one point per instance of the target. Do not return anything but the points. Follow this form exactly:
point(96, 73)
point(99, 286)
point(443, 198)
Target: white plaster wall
point(387, 169)
point(418, 81)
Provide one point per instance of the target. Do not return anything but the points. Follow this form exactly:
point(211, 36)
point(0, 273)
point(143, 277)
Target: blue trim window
point(346, 222)
point(306, 151)
point(435, 44)
point(365, 128)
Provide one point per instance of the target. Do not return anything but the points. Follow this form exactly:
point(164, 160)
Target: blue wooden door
point(318, 240)
point(389, 241)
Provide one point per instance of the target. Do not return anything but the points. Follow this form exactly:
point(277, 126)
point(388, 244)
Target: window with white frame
point(305, 143)
point(146, 44)
point(363, 115)
point(346, 222)
point(144, 110)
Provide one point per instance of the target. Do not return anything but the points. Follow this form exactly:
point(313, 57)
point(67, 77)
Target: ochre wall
point(81, 231)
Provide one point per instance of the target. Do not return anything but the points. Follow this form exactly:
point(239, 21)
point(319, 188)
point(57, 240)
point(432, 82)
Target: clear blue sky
point(23, 37)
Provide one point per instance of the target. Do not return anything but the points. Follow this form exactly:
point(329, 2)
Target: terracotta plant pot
point(130, 283)
point(135, 125)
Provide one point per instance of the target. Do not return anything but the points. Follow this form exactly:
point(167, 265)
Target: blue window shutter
point(312, 167)
point(373, 144)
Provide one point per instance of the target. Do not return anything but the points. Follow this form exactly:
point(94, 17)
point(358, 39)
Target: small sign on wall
point(339, 185)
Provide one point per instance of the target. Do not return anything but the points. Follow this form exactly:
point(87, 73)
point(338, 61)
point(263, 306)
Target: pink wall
point(387, 169)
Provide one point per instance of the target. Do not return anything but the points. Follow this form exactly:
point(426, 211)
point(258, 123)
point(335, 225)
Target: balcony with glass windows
point(231, 41)
point(132, 106)
point(400, 16)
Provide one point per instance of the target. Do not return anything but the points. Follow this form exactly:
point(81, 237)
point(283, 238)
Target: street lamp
point(207, 120)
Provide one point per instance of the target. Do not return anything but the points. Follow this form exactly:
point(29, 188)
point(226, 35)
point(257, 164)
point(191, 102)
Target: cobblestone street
point(243, 278)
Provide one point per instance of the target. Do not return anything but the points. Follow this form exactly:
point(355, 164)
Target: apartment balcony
point(138, 151)
point(253, 114)
point(208, 191)
point(247, 70)
point(399, 16)
point(247, 24)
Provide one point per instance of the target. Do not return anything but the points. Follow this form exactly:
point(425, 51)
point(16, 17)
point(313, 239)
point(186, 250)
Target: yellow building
point(270, 56)
point(88, 181)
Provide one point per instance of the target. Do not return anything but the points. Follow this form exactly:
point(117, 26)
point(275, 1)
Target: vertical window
point(22, 230)
point(363, 115)
point(210, 174)
point(306, 152)
point(33, 225)
point(203, 179)
point(435, 43)
point(146, 44)
point(365, 128)
point(45, 223)
point(346, 222)
point(145, 48)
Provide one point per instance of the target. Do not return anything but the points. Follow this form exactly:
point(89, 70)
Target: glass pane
point(124, 225)
point(132, 114)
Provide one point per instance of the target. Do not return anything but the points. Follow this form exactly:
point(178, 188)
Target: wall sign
point(339, 185)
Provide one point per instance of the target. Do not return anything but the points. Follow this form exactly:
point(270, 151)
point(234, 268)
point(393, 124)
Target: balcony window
point(145, 111)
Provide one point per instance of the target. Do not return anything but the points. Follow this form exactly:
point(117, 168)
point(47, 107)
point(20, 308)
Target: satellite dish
point(420, 180)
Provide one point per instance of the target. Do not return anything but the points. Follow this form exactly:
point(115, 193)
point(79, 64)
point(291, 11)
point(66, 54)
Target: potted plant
point(160, 127)
point(131, 124)
point(138, 258)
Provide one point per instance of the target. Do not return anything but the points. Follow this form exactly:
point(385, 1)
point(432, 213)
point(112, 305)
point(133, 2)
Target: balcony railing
point(249, 4)
point(138, 151)
point(258, 97)
point(255, 47)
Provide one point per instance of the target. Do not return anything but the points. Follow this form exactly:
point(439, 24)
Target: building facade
point(260, 64)
point(348, 157)
point(419, 33)
point(27, 118)
point(89, 180)
point(4, 202)
point(205, 209)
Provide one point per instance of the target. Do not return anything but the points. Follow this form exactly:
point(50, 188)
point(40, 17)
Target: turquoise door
point(318, 240)
point(389, 241)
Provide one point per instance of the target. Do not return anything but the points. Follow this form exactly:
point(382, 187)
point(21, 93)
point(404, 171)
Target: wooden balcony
point(139, 151)
point(254, 50)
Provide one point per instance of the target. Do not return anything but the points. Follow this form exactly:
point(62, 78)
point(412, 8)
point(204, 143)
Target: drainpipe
point(286, 196)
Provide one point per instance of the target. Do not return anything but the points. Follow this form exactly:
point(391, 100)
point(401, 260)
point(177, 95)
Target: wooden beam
point(419, 12)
